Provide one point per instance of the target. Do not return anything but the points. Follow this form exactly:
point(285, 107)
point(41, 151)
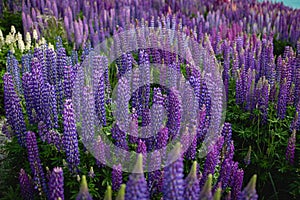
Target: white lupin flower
point(34, 34)
point(50, 46)
point(1, 37)
point(28, 38)
point(13, 30)
point(9, 39)
point(42, 41)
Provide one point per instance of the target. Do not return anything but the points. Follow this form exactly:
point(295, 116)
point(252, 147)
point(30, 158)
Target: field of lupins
point(47, 102)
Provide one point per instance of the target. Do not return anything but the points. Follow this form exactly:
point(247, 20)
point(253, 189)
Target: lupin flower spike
point(217, 195)
point(121, 193)
point(108, 194)
point(247, 158)
point(192, 184)
point(206, 190)
point(84, 191)
point(249, 192)
point(137, 186)
point(173, 183)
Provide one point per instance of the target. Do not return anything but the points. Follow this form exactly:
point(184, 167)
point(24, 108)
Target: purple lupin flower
point(122, 111)
point(42, 131)
point(54, 137)
point(39, 54)
point(157, 113)
point(35, 163)
point(135, 89)
point(134, 127)
point(84, 191)
point(53, 106)
point(247, 158)
point(192, 187)
point(56, 184)
point(99, 88)
point(26, 186)
point(212, 159)
point(51, 66)
point(13, 110)
point(282, 99)
point(290, 150)
point(70, 139)
point(173, 183)
point(225, 173)
point(296, 122)
point(174, 112)
point(119, 136)
point(249, 192)
point(6, 130)
point(136, 187)
point(28, 95)
point(144, 90)
point(192, 144)
point(206, 192)
point(227, 133)
point(117, 178)
point(201, 129)
point(237, 184)
point(155, 174)
point(68, 81)
point(61, 62)
point(162, 138)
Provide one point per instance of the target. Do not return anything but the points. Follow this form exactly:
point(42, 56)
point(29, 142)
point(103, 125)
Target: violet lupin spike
point(290, 150)
point(136, 187)
point(56, 184)
point(282, 100)
point(35, 164)
point(173, 183)
point(237, 185)
point(68, 82)
point(174, 112)
point(212, 159)
point(117, 178)
point(28, 95)
point(70, 139)
point(133, 125)
point(192, 187)
point(206, 189)
point(249, 192)
point(162, 138)
point(296, 122)
point(154, 176)
point(26, 186)
point(13, 110)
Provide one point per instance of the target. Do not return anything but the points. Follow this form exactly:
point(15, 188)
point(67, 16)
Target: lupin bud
point(108, 194)
point(136, 188)
point(192, 184)
point(247, 158)
point(206, 190)
point(249, 192)
point(121, 193)
point(217, 195)
point(84, 191)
